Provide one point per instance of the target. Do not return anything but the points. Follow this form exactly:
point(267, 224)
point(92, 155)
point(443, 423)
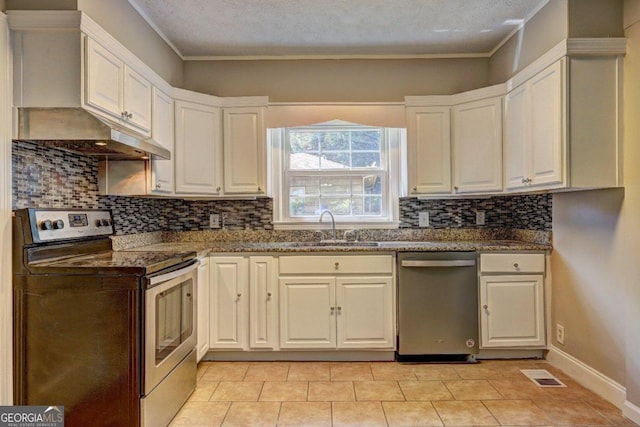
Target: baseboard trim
point(631, 411)
point(589, 377)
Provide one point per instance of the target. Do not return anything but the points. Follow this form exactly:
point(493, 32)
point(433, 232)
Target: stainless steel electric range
point(108, 335)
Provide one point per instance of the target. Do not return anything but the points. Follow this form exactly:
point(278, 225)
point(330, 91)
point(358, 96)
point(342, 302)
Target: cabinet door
point(263, 302)
point(364, 312)
point(512, 311)
point(244, 150)
point(203, 308)
point(197, 155)
point(137, 101)
point(516, 137)
point(162, 134)
point(228, 303)
point(547, 140)
point(428, 149)
point(307, 312)
point(477, 146)
point(104, 80)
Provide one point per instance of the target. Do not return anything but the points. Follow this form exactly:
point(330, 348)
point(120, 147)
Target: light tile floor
point(490, 393)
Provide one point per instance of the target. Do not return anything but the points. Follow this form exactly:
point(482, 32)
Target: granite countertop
point(207, 248)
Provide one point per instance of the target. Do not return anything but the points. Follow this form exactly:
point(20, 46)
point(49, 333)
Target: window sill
point(340, 225)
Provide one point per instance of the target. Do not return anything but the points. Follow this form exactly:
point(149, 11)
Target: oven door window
point(174, 318)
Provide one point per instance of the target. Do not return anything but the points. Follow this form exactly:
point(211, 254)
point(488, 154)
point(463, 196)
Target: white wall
point(6, 312)
point(124, 23)
point(336, 80)
point(596, 259)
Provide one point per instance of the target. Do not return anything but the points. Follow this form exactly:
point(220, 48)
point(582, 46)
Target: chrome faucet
point(333, 223)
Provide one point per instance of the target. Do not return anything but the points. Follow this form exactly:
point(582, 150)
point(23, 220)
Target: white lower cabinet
point(337, 305)
point(203, 308)
point(243, 303)
point(364, 312)
point(263, 302)
point(512, 313)
point(228, 303)
point(307, 312)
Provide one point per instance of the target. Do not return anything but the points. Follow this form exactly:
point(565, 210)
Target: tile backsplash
point(51, 177)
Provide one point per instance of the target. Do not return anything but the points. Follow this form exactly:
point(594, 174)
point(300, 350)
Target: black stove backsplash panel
point(51, 177)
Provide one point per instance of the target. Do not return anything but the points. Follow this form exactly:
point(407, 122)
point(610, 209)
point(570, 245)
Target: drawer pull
point(485, 306)
point(337, 265)
point(516, 266)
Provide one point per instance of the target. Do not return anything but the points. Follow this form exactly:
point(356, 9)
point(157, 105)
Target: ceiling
point(226, 29)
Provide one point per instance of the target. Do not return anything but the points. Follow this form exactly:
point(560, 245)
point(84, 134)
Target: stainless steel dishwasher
point(437, 306)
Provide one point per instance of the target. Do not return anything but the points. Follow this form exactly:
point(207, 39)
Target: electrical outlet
point(480, 218)
point(560, 333)
point(214, 221)
point(423, 219)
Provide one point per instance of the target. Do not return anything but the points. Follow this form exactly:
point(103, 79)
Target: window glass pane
point(339, 206)
point(366, 160)
point(304, 206)
point(300, 142)
point(372, 205)
point(338, 160)
point(304, 186)
point(335, 185)
point(372, 184)
point(357, 206)
point(367, 140)
point(334, 140)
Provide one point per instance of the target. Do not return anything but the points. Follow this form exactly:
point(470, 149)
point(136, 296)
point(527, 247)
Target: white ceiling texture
point(226, 29)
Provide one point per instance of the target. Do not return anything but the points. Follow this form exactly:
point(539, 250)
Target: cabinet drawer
point(342, 264)
point(512, 263)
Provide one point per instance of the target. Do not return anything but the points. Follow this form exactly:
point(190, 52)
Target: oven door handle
point(173, 274)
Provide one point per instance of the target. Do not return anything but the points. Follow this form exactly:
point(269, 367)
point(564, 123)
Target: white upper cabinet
point(534, 131)
point(162, 133)
point(244, 150)
point(115, 90)
point(428, 150)
point(556, 135)
point(516, 140)
point(198, 157)
point(477, 146)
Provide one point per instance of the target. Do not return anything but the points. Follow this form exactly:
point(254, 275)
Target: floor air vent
point(542, 378)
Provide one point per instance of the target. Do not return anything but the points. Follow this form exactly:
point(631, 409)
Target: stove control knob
point(58, 224)
point(106, 222)
point(98, 223)
point(46, 225)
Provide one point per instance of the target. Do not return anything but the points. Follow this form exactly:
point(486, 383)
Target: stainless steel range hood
point(78, 130)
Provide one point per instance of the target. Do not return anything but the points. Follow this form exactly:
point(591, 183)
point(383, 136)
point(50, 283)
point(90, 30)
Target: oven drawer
point(333, 264)
point(512, 263)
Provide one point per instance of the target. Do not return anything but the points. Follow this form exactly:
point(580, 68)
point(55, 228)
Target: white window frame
point(395, 143)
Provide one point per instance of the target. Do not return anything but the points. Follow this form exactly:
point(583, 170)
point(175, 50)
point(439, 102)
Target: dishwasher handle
point(442, 263)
